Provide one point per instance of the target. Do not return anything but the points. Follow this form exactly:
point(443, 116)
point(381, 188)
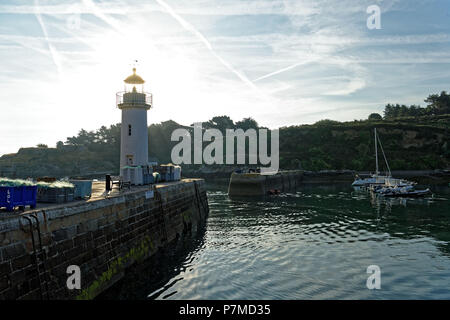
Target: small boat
point(380, 181)
point(273, 191)
point(377, 179)
point(405, 193)
point(365, 182)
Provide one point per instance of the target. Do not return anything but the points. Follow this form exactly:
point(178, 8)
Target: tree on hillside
point(159, 142)
point(395, 111)
point(221, 122)
point(326, 122)
point(375, 117)
point(438, 104)
point(247, 123)
point(389, 111)
point(84, 138)
point(42, 145)
point(416, 111)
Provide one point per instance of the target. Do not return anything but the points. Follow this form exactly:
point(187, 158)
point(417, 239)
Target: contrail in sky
point(292, 66)
point(191, 29)
point(55, 56)
point(112, 22)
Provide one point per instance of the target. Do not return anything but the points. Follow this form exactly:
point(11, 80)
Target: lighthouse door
point(129, 159)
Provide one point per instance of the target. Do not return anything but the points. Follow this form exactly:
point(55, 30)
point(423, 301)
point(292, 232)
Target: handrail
point(42, 252)
point(137, 99)
point(35, 254)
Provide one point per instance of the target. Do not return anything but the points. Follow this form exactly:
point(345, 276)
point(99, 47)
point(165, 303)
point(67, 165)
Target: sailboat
point(377, 180)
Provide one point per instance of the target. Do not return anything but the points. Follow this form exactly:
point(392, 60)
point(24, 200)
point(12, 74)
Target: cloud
point(193, 8)
point(281, 62)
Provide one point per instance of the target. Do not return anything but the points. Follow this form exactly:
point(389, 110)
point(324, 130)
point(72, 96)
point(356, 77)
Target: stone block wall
point(254, 184)
point(102, 237)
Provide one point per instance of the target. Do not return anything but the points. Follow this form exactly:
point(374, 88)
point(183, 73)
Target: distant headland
point(414, 137)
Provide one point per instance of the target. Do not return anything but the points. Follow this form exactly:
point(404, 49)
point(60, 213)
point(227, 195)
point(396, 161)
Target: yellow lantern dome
point(134, 95)
point(134, 78)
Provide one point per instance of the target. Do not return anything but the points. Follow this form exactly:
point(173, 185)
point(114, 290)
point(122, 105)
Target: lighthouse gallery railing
point(134, 98)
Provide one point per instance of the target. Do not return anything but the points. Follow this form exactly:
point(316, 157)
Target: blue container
point(166, 177)
point(51, 195)
point(69, 194)
point(11, 197)
point(148, 178)
point(83, 188)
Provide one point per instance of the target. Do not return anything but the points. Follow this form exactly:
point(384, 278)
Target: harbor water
point(313, 243)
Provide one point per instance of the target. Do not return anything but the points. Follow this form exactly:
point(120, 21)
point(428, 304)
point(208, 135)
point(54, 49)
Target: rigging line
point(384, 156)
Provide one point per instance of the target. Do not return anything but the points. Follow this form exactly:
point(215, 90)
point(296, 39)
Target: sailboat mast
point(376, 150)
point(384, 156)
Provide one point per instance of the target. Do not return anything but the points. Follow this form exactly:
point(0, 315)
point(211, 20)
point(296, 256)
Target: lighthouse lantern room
point(134, 103)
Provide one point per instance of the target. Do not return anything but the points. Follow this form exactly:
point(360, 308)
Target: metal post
point(108, 182)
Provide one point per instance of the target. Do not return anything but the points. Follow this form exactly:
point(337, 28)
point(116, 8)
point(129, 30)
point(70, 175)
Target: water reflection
point(154, 278)
point(312, 243)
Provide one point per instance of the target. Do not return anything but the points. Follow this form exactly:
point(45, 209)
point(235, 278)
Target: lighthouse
point(134, 103)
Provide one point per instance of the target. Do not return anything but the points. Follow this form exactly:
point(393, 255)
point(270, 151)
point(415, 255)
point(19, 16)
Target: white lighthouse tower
point(134, 103)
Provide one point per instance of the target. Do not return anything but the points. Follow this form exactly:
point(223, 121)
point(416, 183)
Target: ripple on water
point(313, 244)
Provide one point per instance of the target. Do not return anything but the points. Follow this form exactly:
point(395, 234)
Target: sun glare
point(168, 72)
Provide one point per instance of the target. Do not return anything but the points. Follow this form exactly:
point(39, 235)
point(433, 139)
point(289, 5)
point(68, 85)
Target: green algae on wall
point(136, 254)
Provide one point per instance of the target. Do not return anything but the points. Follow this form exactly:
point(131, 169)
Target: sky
point(282, 62)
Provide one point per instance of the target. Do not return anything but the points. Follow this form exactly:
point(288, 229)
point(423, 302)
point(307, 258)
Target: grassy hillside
point(410, 143)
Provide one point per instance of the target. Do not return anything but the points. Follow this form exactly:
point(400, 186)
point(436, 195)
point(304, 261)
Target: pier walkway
point(98, 193)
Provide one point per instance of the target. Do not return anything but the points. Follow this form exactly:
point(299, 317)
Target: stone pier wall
point(254, 184)
point(103, 237)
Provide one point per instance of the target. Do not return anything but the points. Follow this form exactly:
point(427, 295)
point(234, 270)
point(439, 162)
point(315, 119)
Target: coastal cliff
point(409, 143)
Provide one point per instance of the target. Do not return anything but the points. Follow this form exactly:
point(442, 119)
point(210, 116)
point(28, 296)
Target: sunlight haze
point(62, 62)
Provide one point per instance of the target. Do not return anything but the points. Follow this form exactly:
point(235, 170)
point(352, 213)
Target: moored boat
point(377, 180)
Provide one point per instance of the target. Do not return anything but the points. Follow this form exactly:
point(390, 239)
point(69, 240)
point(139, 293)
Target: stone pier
point(255, 184)
point(103, 236)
